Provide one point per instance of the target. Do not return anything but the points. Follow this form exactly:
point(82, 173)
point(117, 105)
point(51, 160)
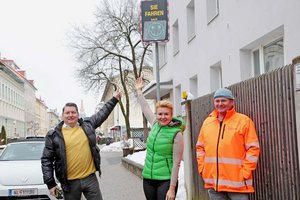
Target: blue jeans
point(214, 195)
point(89, 186)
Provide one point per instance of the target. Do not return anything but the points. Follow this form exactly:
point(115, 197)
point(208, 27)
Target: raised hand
point(117, 93)
point(139, 84)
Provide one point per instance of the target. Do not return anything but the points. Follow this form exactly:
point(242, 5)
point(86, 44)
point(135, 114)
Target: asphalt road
point(116, 181)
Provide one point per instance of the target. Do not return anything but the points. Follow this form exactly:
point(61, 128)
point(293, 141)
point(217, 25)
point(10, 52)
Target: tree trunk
point(3, 138)
point(128, 131)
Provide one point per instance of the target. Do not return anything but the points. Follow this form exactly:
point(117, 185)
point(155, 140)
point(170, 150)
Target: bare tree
point(112, 47)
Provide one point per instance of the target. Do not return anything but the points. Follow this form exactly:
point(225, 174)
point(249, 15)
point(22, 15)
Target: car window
point(23, 151)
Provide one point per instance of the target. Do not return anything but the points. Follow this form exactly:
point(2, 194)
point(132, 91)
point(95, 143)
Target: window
point(215, 77)
point(256, 62)
point(177, 100)
point(268, 57)
point(190, 10)
point(273, 55)
point(212, 7)
point(175, 38)
point(162, 49)
point(6, 93)
point(3, 92)
point(194, 86)
point(263, 54)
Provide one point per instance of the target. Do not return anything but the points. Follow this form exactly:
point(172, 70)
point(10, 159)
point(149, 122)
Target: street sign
point(154, 14)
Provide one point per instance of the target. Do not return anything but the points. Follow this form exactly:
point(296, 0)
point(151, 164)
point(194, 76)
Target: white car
point(20, 171)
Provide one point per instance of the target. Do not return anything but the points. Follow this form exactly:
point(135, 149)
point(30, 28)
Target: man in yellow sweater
point(71, 150)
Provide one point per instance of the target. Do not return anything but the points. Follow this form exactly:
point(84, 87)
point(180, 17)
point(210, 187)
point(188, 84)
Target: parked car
point(35, 137)
point(20, 171)
point(2, 147)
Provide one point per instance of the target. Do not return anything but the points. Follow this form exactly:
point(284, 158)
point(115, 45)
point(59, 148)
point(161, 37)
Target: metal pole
point(157, 73)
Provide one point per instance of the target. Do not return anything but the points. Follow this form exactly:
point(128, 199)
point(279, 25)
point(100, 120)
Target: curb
point(132, 166)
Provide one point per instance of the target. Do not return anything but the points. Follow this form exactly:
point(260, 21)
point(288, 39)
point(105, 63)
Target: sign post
point(154, 15)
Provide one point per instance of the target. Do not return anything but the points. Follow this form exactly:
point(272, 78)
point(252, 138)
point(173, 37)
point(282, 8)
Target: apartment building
point(21, 113)
point(12, 104)
point(214, 44)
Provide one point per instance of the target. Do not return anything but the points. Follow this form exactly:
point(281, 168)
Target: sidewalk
point(116, 181)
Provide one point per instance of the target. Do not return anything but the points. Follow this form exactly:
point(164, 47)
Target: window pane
point(175, 38)
point(162, 54)
point(190, 20)
point(256, 63)
point(212, 8)
point(273, 55)
point(215, 77)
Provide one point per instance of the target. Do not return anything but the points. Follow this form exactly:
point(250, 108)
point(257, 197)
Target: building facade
point(12, 103)
point(41, 118)
point(53, 118)
point(115, 123)
point(214, 44)
point(21, 113)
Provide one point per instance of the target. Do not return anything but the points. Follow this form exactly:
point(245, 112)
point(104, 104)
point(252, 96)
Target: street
point(117, 182)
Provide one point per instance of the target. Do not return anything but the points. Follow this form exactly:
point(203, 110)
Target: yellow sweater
point(80, 163)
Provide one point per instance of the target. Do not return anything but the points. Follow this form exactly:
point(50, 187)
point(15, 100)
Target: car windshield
point(23, 151)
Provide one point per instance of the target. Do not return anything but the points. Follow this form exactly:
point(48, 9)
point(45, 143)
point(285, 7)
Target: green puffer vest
point(159, 158)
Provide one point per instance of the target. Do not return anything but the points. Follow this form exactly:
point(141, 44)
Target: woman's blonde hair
point(164, 104)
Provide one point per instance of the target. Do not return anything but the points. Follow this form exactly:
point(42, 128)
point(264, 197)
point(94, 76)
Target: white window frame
point(190, 17)
point(216, 80)
point(178, 100)
point(175, 38)
point(162, 49)
point(261, 50)
point(194, 86)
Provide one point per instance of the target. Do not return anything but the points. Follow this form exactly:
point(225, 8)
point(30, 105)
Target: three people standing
point(227, 151)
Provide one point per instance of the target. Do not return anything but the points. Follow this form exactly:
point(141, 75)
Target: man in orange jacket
point(227, 150)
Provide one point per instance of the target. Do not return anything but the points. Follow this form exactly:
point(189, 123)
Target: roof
point(14, 71)
point(10, 72)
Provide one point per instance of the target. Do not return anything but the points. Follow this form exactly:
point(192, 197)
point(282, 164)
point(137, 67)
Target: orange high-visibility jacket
point(227, 152)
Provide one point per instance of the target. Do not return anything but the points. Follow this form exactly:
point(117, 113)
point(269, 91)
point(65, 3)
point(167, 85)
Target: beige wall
point(40, 125)
point(116, 117)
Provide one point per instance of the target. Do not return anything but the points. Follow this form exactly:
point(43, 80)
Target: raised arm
point(143, 102)
point(177, 157)
point(98, 118)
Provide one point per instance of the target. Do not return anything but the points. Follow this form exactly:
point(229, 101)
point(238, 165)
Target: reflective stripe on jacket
point(227, 152)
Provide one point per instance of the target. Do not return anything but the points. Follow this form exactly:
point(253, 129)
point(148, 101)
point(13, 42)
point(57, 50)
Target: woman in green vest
point(164, 149)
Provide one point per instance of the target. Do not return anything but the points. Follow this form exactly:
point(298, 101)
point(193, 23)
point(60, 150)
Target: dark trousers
point(157, 189)
point(89, 186)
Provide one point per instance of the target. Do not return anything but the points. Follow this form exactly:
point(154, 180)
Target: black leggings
point(157, 189)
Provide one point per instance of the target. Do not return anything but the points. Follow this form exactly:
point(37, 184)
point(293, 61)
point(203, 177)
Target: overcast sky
point(33, 34)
